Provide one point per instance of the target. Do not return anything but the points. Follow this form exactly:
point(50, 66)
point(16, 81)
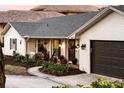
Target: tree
point(2, 65)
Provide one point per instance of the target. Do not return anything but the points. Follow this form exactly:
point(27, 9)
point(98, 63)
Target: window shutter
point(10, 42)
point(15, 44)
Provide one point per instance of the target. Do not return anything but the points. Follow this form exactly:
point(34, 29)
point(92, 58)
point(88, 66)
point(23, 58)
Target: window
point(13, 43)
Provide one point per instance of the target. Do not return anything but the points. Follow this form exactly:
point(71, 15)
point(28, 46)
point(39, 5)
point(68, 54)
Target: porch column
point(26, 45)
point(63, 47)
point(77, 50)
point(66, 49)
point(50, 48)
point(36, 46)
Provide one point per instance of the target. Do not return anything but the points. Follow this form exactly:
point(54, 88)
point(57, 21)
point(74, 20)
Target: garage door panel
point(106, 45)
point(110, 61)
point(108, 58)
point(109, 70)
point(102, 70)
point(108, 54)
point(101, 60)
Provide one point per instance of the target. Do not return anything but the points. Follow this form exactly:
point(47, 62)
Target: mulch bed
point(9, 60)
point(73, 71)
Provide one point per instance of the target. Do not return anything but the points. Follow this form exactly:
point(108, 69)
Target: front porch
point(54, 47)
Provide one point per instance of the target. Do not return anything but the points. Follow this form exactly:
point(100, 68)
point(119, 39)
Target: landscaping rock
point(15, 70)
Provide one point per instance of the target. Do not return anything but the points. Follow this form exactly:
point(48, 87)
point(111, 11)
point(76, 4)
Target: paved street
point(14, 81)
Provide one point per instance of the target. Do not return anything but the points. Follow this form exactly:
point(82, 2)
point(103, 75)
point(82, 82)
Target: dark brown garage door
point(107, 58)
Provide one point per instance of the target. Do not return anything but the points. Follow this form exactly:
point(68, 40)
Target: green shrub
point(27, 57)
point(16, 56)
point(45, 64)
point(63, 60)
point(38, 62)
point(55, 68)
point(21, 58)
point(103, 83)
point(64, 86)
point(54, 59)
point(100, 83)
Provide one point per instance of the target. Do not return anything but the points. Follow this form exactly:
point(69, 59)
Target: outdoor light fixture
point(77, 46)
point(83, 46)
point(60, 45)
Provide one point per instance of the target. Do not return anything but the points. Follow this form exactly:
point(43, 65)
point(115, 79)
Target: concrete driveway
point(84, 79)
point(41, 80)
point(17, 81)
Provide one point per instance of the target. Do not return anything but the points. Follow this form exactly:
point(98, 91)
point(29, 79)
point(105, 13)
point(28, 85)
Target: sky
point(16, 7)
point(23, 7)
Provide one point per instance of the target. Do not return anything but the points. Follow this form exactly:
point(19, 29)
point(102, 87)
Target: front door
point(41, 46)
point(56, 48)
point(71, 50)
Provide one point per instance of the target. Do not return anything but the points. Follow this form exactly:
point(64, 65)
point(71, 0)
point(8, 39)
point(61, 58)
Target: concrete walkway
point(84, 79)
point(35, 71)
point(18, 81)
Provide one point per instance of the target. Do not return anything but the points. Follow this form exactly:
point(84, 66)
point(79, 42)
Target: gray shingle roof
point(57, 27)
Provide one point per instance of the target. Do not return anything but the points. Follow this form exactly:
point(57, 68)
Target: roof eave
point(45, 37)
point(94, 20)
point(89, 22)
point(116, 10)
point(6, 28)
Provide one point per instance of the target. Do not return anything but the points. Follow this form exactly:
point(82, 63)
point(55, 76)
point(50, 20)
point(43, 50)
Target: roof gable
point(98, 17)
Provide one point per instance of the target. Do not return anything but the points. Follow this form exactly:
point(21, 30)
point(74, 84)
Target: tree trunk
point(2, 65)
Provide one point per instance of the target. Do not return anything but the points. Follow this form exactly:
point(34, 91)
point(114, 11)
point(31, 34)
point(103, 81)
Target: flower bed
point(10, 60)
point(58, 69)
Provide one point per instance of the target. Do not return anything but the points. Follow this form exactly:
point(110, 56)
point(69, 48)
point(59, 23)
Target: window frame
point(14, 42)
